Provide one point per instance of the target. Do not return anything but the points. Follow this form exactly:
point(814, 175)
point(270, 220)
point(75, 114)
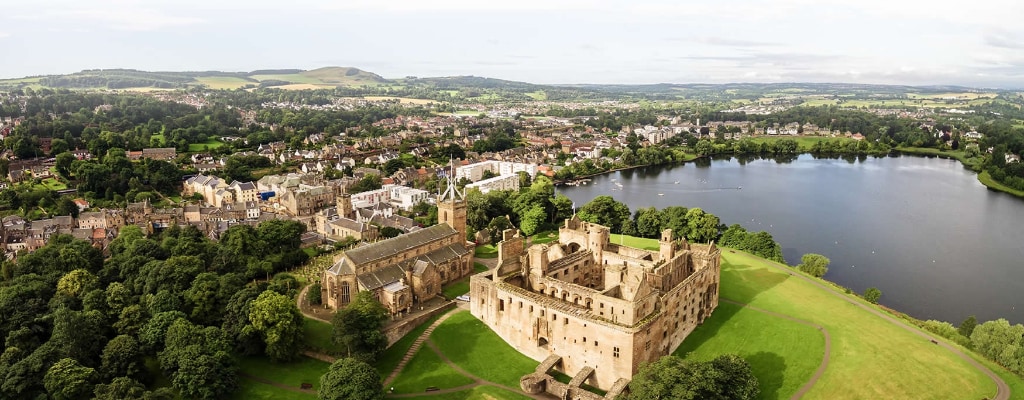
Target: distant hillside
point(328, 77)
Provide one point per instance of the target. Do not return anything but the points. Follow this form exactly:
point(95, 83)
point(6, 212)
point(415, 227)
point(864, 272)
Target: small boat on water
point(661, 194)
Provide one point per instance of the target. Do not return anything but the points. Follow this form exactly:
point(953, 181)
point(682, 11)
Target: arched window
point(346, 296)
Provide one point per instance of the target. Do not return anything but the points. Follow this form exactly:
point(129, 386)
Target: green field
point(544, 237)
point(249, 389)
point(476, 393)
point(209, 144)
point(987, 180)
point(461, 286)
point(294, 373)
point(293, 78)
point(425, 370)
point(223, 82)
point(538, 95)
point(318, 336)
point(471, 345)
point(902, 365)
point(486, 251)
point(782, 355)
point(387, 361)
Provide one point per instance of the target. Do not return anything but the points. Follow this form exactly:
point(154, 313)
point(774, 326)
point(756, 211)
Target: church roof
point(398, 244)
point(381, 277)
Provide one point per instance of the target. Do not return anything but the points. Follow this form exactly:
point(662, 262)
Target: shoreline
point(983, 176)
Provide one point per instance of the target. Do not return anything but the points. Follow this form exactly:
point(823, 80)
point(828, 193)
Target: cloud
point(1005, 40)
point(126, 18)
point(462, 5)
point(727, 42)
point(4, 35)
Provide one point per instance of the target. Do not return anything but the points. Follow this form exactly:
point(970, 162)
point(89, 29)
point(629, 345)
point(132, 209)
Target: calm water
point(923, 230)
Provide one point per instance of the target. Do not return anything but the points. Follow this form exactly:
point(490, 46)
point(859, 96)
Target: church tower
point(344, 205)
point(451, 205)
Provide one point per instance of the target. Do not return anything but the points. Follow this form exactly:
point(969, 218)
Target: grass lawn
point(295, 373)
point(318, 336)
point(426, 369)
point(389, 360)
point(871, 357)
point(461, 286)
point(471, 345)
point(640, 243)
point(477, 393)
point(544, 237)
point(293, 78)
point(486, 251)
point(209, 144)
point(249, 389)
point(927, 151)
point(53, 184)
point(782, 355)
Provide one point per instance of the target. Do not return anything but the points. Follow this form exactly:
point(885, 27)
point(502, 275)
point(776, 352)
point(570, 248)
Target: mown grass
point(393, 355)
point(425, 370)
point(294, 373)
point(318, 335)
point(476, 393)
point(249, 389)
point(209, 144)
point(461, 286)
point(544, 237)
point(471, 345)
point(783, 354)
point(871, 357)
point(486, 251)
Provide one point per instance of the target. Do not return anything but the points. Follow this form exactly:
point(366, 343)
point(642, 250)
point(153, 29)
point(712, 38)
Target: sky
point(973, 43)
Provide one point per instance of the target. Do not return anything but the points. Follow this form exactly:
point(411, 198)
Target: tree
point(198, 360)
point(279, 323)
point(704, 147)
point(314, 295)
point(648, 222)
point(814, 264)
point(350, 379)
point(702, 227)
point(532, 220)
point(967, 327)
point(604, 210)
point(726, 377)
point(68, 379)
point(872, 295)
point(63, 164)
point(122, 388)
point(77, 283)
point(357, 327)
point(998, 340)
point(121, 357)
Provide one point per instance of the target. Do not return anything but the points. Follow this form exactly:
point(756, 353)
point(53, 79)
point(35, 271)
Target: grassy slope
point(426, 369)
point(249, 389)
point(485, 251)
point(222, 82)
point(318, 336)
point(294, 373)
point(389, 360)
point(870, 358)
point(477, 393)
point(987, 180)
point(783, 354)
point(472, 346)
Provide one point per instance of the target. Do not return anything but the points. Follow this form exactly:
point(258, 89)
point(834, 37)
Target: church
point(409, 269)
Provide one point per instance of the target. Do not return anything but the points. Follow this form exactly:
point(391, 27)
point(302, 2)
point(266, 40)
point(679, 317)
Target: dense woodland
point(77, 325)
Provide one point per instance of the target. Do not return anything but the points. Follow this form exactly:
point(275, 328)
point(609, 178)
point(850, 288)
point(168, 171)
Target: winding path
point(1002, 389)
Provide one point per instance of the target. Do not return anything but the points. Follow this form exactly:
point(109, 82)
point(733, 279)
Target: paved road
point(1002, 389)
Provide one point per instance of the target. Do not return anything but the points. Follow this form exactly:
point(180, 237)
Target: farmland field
point(223, 82)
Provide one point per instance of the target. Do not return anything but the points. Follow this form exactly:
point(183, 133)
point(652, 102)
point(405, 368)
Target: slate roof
point(381, 277)
point(395, 245)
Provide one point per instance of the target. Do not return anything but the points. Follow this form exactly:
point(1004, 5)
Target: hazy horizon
point(543, 42)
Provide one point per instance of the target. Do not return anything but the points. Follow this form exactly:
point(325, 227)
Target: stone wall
point(400, 329)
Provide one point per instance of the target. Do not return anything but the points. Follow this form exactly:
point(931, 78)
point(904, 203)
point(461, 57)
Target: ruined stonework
point(601, 308)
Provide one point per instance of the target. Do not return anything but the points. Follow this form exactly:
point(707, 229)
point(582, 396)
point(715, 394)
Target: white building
point(406, 197)
point(372, 197)
point(504, 182)
point(475, 172)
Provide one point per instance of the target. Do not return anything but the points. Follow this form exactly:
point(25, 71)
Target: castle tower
point(666, 247)
point(344, 205)
point(451, 205)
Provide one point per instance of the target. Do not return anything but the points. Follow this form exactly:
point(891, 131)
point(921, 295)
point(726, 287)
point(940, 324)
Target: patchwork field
point(223, 82)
